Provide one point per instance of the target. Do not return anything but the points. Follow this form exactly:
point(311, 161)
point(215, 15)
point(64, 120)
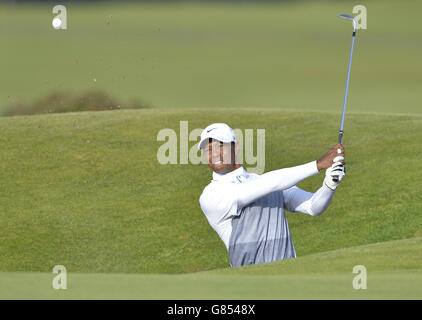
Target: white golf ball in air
point(56, 23)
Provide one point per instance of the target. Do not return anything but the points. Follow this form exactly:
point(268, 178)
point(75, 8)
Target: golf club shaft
point(340, 135)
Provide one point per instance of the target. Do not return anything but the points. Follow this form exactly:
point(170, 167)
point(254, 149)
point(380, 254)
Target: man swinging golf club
point(247, 210)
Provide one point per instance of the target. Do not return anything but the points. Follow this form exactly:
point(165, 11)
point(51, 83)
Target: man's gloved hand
point(337, 170)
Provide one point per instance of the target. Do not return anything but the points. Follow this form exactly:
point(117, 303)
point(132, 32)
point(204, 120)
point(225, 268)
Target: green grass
point(380, 257)
point(85, 190)
point(214, 55)
point(392, 273)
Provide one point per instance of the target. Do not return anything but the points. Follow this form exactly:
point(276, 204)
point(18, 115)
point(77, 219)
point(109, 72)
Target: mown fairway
point(290, 56)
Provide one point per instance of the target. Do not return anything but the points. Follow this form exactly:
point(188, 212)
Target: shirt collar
point(230, 176)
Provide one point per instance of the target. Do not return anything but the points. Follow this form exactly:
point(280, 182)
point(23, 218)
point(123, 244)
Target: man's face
point(220, 156)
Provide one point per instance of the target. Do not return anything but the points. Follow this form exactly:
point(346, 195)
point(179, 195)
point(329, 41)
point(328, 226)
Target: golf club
point(340, 134)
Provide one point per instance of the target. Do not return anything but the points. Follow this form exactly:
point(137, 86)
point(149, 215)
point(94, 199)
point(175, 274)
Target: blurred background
point(205, 54)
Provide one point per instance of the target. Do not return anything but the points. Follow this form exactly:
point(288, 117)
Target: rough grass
point(85, 190)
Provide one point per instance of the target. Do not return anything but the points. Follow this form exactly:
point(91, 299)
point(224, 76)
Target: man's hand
point(329, 158)
point(334, 175)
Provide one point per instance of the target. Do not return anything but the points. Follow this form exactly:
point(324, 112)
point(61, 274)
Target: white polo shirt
point(218, 201)
point(227, 196)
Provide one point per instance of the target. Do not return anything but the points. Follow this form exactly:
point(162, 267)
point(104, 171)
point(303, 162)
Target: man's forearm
point(272, 181)
point(320, 200)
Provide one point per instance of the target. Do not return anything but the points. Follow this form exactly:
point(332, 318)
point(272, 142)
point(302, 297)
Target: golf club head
point(346, 16)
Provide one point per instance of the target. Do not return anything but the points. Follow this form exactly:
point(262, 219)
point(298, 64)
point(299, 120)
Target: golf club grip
point(340, 140)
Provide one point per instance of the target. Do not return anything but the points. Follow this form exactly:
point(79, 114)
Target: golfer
point(247, 210)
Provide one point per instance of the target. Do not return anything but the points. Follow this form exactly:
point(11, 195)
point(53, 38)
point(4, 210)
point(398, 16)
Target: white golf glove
point(335, 174)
